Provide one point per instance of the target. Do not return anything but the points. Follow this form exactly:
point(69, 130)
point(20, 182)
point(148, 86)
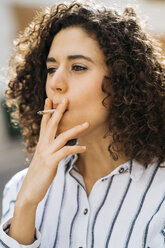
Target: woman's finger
point(52, 126)
point(67, 150)
point(45, 118)
point(64, 137)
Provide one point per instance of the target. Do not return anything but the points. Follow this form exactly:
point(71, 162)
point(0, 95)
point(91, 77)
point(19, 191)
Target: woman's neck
point(96, 161)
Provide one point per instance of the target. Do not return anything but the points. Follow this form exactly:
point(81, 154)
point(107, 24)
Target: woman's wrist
point(24, 204)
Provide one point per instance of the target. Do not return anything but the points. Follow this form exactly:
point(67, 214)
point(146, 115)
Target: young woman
point(97, 177)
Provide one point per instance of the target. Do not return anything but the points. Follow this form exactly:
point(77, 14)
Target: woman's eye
point(51, 70)
point(79, 68)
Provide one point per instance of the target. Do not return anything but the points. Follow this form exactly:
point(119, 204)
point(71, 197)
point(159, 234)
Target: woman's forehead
point(74, 41)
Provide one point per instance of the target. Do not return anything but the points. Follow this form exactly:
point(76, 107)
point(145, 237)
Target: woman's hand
point(49, 152)
point(41, 172)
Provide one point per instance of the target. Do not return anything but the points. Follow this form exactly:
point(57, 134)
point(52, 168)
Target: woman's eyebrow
point(79, 56)
point(71, 57)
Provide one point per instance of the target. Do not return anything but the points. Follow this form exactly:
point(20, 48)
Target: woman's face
point(76, 67)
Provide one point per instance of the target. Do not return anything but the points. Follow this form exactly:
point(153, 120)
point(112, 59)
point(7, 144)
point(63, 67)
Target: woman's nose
point(59, 82)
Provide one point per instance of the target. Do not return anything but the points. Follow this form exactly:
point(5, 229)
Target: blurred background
point(14, 16)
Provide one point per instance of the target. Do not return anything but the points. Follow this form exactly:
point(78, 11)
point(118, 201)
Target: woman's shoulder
point(16, 179)
point(10, 193)
point(13, 186)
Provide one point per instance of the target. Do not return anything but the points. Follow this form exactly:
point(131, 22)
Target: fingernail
point(85, 124)
point(84, 147)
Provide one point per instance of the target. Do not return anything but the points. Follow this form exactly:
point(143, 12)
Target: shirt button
point(85, 212)
point(104, 179)
point(121, 170)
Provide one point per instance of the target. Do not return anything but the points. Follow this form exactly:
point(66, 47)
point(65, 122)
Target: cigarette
point(45, 112)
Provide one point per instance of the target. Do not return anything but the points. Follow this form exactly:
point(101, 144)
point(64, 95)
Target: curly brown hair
point(137, 76)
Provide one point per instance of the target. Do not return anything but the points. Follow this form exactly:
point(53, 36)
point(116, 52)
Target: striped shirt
point(125, 209)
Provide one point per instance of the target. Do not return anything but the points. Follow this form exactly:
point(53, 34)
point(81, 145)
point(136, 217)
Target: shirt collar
point(69, 161)
point(134, 168)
